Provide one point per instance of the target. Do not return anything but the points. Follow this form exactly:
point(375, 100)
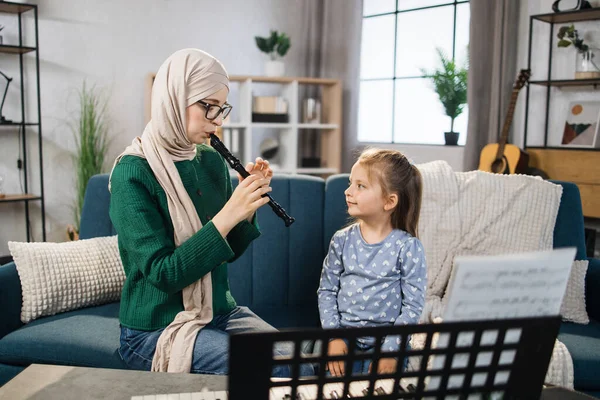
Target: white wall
point(563, 67)
point(115, 44)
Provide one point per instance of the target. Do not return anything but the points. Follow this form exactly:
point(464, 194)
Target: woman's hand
point(337, 347)
point(260, 167)
point(386, 366)
point(243, 203)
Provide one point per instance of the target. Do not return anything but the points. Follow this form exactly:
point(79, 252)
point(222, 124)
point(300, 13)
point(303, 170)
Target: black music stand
point(505, 358)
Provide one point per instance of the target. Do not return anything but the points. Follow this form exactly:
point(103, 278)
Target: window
point(399, 38)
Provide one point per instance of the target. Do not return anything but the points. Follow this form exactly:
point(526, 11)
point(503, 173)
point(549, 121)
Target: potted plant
point(90, 130)
point(586, 66)
point(275, 46)
point(450, 83)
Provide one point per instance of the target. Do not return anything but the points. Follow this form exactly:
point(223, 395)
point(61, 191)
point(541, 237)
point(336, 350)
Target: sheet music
point(500, 287)
point(509, 286)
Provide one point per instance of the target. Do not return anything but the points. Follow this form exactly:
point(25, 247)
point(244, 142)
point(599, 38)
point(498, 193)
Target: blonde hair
point(396, 174)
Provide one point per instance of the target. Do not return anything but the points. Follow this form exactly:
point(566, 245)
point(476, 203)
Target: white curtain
point(334, 39)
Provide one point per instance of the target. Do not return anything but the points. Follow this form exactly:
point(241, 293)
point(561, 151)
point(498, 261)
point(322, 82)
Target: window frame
point(450, 3)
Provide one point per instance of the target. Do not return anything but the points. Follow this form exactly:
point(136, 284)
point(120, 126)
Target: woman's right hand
point(244, 201)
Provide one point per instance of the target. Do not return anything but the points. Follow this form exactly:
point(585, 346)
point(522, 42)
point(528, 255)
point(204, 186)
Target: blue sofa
point(277, 277)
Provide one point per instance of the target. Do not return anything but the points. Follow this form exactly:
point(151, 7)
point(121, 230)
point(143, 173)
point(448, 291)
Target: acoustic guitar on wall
point(504, 158)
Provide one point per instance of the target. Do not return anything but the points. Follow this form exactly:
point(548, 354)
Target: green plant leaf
point(272, 41)
point(90, 129)
point(261, 43)
point(564, 43)
point(283, 44)
point(450, 83)
point(562, 31)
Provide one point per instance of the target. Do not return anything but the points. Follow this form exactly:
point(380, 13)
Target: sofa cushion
point(281, 269)
point(8, 372)
point(88, 337)
point(95, 220)
point(336, 211)
point(583, 342)
point(59, 277)
point(568, 229)
point(572, 308)
point(289, 317)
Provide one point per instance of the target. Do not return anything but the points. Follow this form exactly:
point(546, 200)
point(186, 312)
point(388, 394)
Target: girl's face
point(199, 128)
point(364, 197)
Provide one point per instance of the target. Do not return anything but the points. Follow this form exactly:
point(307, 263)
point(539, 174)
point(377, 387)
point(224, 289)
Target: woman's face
point(198, 127)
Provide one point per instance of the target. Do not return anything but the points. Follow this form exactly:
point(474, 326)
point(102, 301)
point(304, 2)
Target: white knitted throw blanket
point(479, 213)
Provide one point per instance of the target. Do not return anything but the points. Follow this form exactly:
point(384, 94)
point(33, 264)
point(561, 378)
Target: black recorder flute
point(237, 165)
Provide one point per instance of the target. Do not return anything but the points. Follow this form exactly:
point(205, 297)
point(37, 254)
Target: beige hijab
point(184, 78)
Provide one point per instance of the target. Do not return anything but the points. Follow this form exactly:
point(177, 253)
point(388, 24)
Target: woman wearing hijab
point(179, 223)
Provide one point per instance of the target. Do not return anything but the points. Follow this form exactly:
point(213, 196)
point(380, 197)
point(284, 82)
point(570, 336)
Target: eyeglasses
point(213, 110)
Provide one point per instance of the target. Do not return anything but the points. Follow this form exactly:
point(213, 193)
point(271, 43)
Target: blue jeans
point(211, 351)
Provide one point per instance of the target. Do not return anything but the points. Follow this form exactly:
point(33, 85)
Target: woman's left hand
point(260, 167)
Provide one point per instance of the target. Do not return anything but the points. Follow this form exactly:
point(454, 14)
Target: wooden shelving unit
point(568, 83)
point(290, 133)
point(578, 165)
point(18, 197)
point(24, 127)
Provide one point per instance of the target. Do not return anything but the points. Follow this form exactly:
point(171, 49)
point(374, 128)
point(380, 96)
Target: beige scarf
point(184, 78)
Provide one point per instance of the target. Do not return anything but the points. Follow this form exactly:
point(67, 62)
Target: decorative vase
point(451, 138)
point(587, 66)
point(274, 68)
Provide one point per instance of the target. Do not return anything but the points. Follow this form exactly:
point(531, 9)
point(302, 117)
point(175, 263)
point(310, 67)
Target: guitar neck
point(507, 122)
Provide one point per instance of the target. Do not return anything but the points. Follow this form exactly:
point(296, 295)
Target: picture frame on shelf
point(582, 125)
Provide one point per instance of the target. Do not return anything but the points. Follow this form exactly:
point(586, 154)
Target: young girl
point(375, 273)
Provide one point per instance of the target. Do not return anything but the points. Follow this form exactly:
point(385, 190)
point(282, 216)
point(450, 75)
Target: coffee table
point(55, 382)
point(50, 382)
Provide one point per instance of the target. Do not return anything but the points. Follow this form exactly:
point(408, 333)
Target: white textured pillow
point(58, 277)
point(573, 305)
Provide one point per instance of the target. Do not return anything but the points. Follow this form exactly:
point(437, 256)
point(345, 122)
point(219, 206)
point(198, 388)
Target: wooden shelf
point(317, 171)
point(574, 165)
point(5, 48)
point(568, 82)
point(233, 125)
point(318, 126)
point(569, 16)
point(14, 8)
point(19, 197)
point(243, 125)
point(274, 125)
point(570, 148)
point(306, 171)
point(283, 79)
point(20, 124)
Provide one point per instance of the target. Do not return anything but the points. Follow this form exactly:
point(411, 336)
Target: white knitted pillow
point(573, 305)
point(58, 277)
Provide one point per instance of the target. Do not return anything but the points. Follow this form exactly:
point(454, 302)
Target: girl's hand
point(260, 167)
point(243, 203)
point(386, 366)
point(337, 347)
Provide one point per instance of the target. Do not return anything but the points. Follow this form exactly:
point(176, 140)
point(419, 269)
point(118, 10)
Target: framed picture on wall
point(581, 125)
